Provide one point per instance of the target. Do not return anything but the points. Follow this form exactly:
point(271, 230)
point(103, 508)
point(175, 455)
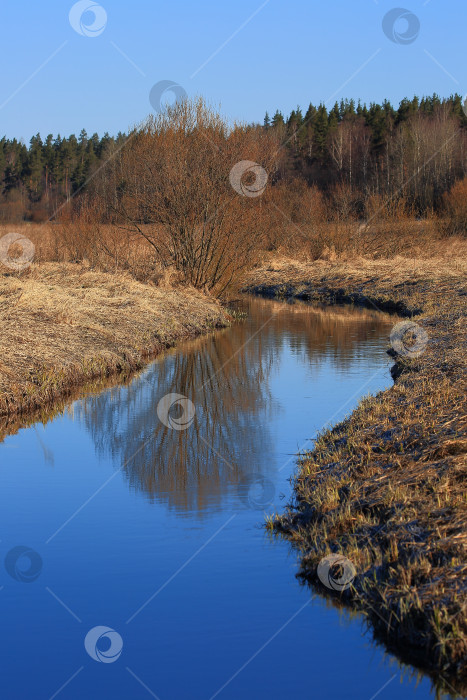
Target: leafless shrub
point(455, 209)
point(171, 187)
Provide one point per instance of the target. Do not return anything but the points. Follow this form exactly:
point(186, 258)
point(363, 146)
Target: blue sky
point(249, 56)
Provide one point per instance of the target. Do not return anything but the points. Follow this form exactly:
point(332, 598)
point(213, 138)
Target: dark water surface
point(156, 532)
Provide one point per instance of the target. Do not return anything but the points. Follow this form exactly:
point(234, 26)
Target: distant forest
point(37, 180)
point(416, 151)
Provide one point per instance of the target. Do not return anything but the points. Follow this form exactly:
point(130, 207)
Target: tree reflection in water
point(227, 377)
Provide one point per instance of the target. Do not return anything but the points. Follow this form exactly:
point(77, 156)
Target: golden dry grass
point(386, 488)
point(448, 260)
point(65, 324)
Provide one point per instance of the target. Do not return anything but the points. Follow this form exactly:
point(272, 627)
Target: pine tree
point(278, 119)
point(320, 131)
point(35, 166)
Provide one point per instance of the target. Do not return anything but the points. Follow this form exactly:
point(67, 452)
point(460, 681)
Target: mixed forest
point(415, 152)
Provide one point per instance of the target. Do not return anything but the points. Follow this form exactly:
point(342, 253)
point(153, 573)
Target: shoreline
point(385, 487)
point(65, 326)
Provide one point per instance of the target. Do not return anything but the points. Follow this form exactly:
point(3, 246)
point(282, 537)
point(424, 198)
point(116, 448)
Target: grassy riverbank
point(386, 487)
point(64, 325)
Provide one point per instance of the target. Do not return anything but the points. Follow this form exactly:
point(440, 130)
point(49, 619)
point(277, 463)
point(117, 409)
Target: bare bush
point(171, 187)
point(455, 209)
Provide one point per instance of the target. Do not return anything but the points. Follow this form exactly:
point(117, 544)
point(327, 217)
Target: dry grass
point(103, 247)
point(386, 488)
point(64, 325)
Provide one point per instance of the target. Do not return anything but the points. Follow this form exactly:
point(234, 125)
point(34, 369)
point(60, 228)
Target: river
point(136, 563)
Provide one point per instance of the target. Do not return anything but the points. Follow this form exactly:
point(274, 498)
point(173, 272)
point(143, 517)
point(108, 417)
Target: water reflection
point(227, 376)
point(260, 388)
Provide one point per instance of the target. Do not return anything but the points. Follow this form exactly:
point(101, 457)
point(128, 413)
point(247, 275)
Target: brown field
point(65, 324)
point(304, 236)
point(386, 487)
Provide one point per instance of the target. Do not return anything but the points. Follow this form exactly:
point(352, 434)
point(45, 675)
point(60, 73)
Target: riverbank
point(64, 325)
point(386, 487)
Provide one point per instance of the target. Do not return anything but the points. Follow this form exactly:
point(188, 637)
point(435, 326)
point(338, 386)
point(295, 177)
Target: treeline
point(36, 181)
point(412, 154)
point(187, 197)
point(416, 151)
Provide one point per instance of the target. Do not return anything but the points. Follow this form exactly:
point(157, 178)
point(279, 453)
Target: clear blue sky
point(290, 52)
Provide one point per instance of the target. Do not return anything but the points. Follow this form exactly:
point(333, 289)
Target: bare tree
point(173, 188)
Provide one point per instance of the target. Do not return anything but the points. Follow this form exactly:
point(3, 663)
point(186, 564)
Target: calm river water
point(153, 534)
